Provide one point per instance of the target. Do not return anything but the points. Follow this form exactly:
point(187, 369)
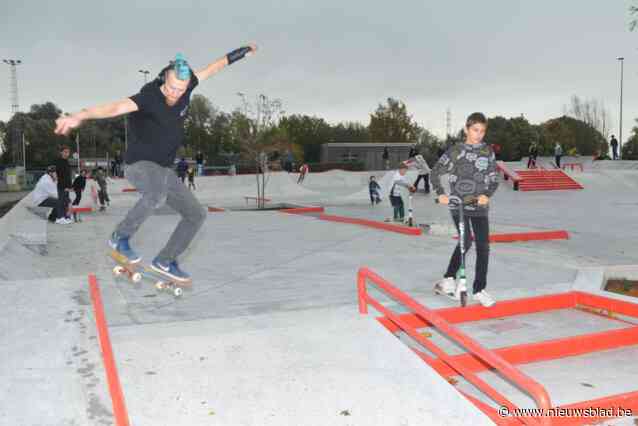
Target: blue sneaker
point(171, 269)
point(120, 245)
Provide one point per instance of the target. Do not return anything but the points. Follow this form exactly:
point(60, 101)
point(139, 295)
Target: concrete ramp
point(325, 367)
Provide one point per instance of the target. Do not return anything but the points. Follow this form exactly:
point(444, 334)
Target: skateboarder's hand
point(483, 200)
point(444, 199)
point(412, 189)
point(63, 125)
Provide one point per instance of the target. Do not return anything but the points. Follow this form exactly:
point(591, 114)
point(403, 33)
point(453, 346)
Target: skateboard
point(137, 271)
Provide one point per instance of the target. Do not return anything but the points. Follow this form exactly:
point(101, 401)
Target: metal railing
point(507, 370)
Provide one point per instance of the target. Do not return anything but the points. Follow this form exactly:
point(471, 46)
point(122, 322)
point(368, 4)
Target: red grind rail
point(407, 230)
point(129, 190)
point(115, 389)
point(303, 210)
point(514, 375)
point(215, 209)
point(527, 236)
point(81, 209)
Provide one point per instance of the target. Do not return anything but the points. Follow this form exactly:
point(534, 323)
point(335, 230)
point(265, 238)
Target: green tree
point(392, 123)
point(307, 132)
point(571, 134)
point(349, 132)
point(630, 147)
point(198, 126)
point(514, 135)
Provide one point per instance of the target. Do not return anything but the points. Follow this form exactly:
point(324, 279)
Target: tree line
point(221, 136)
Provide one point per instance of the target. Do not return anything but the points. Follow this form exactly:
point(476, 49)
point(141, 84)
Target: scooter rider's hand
point(443, 199)
point(483, 200)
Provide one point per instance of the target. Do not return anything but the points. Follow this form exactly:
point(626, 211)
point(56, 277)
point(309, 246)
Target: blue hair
point(182, 70)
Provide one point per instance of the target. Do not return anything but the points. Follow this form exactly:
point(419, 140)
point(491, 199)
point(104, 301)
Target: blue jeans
point(158, 185)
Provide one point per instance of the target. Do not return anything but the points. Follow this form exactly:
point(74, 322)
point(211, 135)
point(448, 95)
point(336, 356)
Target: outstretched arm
point(63, 125)
point(224, 61)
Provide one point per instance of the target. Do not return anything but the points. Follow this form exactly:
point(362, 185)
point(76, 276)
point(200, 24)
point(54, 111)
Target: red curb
point(81, 209)
point(129, 190)
point(115, 389)
point(215, 209)
point(302, 210)
point(373, 224)
point(527, 236)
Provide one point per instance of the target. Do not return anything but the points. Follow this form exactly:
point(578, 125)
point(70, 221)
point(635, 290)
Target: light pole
point(13, 86)
point(146, 73)
point(621, 59)
point(24, 155)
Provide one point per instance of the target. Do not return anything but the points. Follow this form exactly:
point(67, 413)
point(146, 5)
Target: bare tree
point(260, 117)
point(592, 112)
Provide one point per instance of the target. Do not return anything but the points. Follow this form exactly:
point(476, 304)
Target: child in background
point(399, 180)
point(79, 183)
point(191, 178)
point(303, 170)
point(375, 191)
point(102, 193)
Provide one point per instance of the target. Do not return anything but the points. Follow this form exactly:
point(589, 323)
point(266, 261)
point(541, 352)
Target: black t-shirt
point(156, 130)
point(199, 158)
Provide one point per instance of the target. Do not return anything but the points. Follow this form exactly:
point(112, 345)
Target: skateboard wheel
point(118, 270)
point(177, 291)
point(160, 285)
point(136, 277)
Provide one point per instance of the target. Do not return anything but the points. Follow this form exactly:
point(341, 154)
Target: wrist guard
point(237, 54)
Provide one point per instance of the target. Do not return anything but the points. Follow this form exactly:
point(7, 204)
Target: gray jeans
point(158, 185)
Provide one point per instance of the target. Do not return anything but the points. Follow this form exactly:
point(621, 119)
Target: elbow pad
point(237, 54)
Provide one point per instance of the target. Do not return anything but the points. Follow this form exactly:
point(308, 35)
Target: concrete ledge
point(373, 224)
point(325, 367)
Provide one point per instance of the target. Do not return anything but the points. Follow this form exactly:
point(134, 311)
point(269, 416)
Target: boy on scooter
point(472, 175)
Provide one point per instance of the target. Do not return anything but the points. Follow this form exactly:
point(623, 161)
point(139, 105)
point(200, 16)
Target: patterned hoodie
point(471, 171)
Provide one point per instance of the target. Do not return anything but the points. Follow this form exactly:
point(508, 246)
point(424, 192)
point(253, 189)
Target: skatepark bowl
point(319, 310)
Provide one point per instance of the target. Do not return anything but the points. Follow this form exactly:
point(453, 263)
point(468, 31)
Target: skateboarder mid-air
point(156, 132)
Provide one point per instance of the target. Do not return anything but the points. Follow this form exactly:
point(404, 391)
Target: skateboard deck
point(138, 271)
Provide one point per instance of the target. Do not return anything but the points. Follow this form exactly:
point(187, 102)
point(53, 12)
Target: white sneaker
point(484, 299)
point(446, 285)
point(63, 221)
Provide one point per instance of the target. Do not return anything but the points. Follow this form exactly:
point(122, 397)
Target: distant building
point(371, 154)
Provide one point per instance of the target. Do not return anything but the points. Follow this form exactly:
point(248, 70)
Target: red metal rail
point(507, 370)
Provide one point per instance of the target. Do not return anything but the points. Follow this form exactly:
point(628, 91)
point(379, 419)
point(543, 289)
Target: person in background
point(45, 194)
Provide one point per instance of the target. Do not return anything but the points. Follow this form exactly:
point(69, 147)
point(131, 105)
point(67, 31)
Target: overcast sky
point(334, 59)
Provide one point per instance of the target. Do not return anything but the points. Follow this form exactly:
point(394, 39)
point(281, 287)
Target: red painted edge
point(215, 209)
point(373, 224)
point(129, 190)
point(115, 389)
point(302, 210)
point(81, 209)
point(528, 236)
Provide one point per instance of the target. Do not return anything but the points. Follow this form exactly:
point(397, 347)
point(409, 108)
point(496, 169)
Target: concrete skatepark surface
point(270, 333)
